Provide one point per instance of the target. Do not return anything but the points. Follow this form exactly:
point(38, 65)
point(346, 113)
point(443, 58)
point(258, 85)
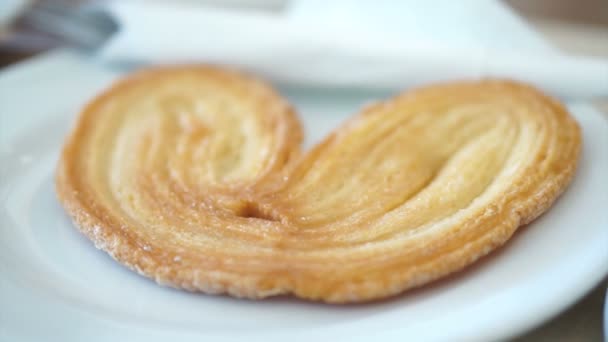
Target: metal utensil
point(83, 26)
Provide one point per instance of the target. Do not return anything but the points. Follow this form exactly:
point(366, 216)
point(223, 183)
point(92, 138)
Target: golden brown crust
point(193, 176)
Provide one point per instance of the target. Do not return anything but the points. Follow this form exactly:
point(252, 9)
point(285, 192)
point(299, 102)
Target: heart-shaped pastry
point(193, 176)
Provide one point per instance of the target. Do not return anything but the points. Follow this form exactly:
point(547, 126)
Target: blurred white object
point(380, 44)
point(249, 4)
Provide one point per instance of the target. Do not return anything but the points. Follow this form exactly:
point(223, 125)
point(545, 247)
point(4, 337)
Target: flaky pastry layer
point(193, 176)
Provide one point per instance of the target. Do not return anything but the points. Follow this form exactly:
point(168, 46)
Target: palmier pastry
point(193, 176)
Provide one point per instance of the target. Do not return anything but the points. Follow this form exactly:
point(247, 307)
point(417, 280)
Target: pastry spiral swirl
point(193, 176)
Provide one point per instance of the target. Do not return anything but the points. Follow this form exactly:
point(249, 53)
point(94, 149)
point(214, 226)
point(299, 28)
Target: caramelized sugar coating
point(193, 176)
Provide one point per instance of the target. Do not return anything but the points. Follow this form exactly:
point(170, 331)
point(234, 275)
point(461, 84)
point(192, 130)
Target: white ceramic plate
point(55, 285)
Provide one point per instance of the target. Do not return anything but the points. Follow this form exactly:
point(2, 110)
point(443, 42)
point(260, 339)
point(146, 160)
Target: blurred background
point(383, 44)
point(579, 27)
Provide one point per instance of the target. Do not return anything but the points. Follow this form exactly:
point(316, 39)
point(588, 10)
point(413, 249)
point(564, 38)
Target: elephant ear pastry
point(193, 176)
